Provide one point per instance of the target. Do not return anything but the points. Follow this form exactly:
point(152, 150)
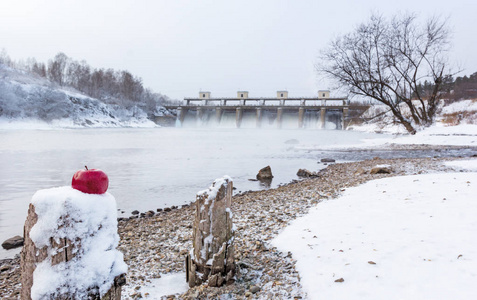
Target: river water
point(155, 168)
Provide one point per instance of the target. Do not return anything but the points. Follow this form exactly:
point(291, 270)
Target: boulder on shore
point(12, 243)
point(265, 173)
point(381, 169)
point(306, 173)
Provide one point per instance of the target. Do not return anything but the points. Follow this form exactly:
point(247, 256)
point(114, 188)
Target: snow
point(67, 213)
point(459, 106)
point(470, 165)
point(32, 102)
point(214, 188)
point(168, 284)
point(382, 166)
point(421, 239)
point(385, 123)
point(460, 135)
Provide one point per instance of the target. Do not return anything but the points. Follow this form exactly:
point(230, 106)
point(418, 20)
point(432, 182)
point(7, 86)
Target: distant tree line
point(454, 89)
point(108, 85)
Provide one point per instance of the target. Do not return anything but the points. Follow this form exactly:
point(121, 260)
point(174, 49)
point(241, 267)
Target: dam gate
point(316, 112)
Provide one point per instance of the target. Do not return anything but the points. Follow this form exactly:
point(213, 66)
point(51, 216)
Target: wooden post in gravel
point(61, 254)
point(212, 258)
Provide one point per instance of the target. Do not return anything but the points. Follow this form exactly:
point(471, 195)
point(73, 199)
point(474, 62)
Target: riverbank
point(154, 245)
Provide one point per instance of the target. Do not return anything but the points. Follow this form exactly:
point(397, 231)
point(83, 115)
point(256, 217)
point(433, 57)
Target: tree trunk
point(212, 257)
point(31, 256)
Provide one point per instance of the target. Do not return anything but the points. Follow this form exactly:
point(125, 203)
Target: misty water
point(157, 168)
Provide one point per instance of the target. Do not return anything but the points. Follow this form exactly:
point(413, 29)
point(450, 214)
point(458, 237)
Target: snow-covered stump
point(70, 247)
point(212, 258)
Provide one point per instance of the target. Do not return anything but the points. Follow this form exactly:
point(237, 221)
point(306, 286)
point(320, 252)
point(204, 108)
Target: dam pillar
point(259, 117)
point(218, 114)
point(301, 116)
point(178, 117)
point(238, 116)
point(323, 117)
point(181, 113)
point(345, 118)
point(200, 115)
point(279, 117)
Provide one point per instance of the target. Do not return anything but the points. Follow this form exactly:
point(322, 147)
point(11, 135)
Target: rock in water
point(327, 160)
point(265, 173)
point(14, 242)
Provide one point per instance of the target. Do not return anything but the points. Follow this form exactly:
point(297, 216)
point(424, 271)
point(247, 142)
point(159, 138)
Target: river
point(155, 168)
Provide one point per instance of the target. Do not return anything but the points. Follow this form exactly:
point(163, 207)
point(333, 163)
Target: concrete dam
point(322, 112)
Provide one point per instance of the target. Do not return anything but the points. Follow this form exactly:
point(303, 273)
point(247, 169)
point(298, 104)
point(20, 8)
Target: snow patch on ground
point(410, 237)
point(469, 165)
point(459, 106)
point(168, 284)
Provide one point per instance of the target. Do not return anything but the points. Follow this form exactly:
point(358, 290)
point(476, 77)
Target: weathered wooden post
point(70, 247)
point(212, 258)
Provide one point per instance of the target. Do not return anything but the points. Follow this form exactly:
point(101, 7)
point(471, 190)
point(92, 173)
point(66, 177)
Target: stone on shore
point(265, 173)
point(381, 169)
point(306, 173)
point(12, 243)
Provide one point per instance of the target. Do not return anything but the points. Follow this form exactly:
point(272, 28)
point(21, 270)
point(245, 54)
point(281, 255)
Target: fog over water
point(157, 168)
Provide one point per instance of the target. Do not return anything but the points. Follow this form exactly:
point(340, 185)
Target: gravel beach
point(156, 243)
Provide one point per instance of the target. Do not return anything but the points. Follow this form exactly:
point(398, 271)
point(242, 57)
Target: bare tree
point(387, 59)
point(57, 68)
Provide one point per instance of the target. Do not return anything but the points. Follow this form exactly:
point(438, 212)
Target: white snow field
point(410, 237)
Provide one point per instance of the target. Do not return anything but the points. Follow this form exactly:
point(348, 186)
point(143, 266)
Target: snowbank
point(460, 106)
point(409, 237)
point(469, 165)
point(67, 213)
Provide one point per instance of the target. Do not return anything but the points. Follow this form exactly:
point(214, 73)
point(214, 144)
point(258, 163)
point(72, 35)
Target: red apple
point(90, 181)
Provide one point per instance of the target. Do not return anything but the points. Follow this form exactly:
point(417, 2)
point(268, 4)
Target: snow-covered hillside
point(31, 101)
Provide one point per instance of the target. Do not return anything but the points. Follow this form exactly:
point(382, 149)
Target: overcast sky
point(181, 47)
